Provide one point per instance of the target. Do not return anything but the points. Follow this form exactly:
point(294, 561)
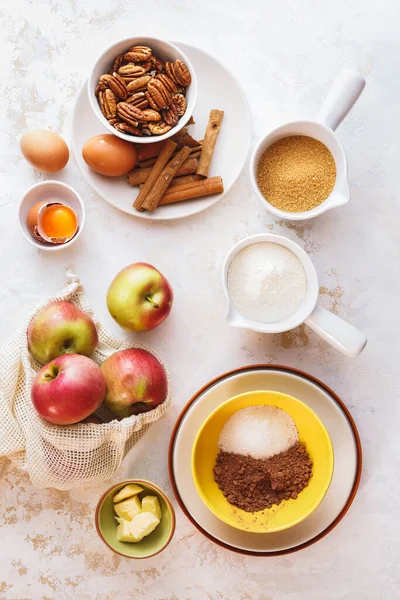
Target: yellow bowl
point(290, 512)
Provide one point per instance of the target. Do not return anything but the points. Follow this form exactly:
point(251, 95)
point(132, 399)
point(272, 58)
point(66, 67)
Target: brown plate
point(344, 415)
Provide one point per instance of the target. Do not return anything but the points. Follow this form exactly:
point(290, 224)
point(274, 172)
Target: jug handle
point(346, 338)
point(341, 98)
point(233, 318)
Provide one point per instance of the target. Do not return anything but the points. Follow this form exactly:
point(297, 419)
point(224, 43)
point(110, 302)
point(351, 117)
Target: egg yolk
point(59, 222)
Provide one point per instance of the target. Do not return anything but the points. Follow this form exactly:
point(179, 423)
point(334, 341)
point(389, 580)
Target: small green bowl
point(151, 545)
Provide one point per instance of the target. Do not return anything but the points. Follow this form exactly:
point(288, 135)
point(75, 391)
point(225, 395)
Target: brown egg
point(109, 155)
point(45, 150)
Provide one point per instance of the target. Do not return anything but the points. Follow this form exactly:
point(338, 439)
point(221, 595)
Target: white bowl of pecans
point(143, 89)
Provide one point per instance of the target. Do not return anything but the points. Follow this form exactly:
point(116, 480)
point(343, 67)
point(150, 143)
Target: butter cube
point(151, 504)
point(142, 525)
point(126, 492)
point(127, 509)
point(123, 531)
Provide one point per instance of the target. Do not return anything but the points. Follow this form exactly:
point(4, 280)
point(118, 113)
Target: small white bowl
point(51, 191)
point(164, 50)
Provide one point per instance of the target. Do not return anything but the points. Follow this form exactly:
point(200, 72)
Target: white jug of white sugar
point(271, 286)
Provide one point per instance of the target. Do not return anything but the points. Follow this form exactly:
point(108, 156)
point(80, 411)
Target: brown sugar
point(254, 484)
point(296, 173)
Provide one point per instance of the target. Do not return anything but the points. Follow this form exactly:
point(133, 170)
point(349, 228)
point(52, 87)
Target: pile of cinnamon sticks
point(176, 169)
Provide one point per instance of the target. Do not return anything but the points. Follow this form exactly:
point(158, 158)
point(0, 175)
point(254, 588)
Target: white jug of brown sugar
point(299, 170)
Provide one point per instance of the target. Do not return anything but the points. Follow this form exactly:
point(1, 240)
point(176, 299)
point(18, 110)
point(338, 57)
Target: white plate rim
point(153, 217)
point(339, 403)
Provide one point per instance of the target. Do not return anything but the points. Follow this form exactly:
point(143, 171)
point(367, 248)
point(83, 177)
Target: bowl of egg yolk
point(51, 215)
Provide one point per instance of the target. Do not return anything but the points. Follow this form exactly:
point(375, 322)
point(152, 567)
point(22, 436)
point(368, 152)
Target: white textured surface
point(285, 55)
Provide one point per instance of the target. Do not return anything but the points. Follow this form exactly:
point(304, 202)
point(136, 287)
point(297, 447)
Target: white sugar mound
point(258, 431)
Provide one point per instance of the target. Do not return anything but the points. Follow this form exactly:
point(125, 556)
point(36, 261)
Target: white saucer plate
point(341, 428)
point(217, 88)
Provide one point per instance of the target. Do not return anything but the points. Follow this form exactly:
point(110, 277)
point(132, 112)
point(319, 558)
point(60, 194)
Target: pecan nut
point(126, 128)
point(118, 60)
point(147, 66)
point(159, 93)
point(116, 84)
point(179, 101)
point(170, 115)
point(151, 101)
point(128, 113)
point(131, 70)
point(138, 84)
point(139, 99)
point(157, 64)
point(108, 103)
point(169, 69)
point(138, 53)
point(182, 73)
point(168, 83)
point(150, 115)
point(178, 72)
point(100, 87)
point(159, 128)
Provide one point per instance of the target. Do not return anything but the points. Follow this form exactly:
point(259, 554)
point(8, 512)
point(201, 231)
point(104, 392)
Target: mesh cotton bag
point(69, 456)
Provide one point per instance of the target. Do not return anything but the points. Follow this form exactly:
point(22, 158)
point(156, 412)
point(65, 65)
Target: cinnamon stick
point(181, 180)
point(179, 134)
point(138, 176)
point(212, 131)
point(149, 162)
point(164, 179)
point(189, 191)
point(197, 148)
point(154, 174)
point(146, 151)
point(187, 140)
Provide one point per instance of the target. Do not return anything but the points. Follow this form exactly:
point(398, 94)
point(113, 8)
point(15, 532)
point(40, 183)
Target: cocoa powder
point(255, 484)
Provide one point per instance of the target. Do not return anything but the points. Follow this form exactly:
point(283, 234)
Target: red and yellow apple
point(139, 298)
point(136, 382)
point(68, 389)
point(61, 328)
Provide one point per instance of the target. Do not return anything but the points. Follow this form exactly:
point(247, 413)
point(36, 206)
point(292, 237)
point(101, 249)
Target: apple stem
point(154, 304)
point(52, 373)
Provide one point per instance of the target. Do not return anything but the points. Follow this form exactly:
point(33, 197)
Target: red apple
point(61, 328)
point(136, 382)
point(68, 389)
point(139, 298)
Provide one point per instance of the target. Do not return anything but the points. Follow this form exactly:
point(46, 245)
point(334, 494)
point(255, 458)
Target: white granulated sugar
point(267, 282)
point(258, 431)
